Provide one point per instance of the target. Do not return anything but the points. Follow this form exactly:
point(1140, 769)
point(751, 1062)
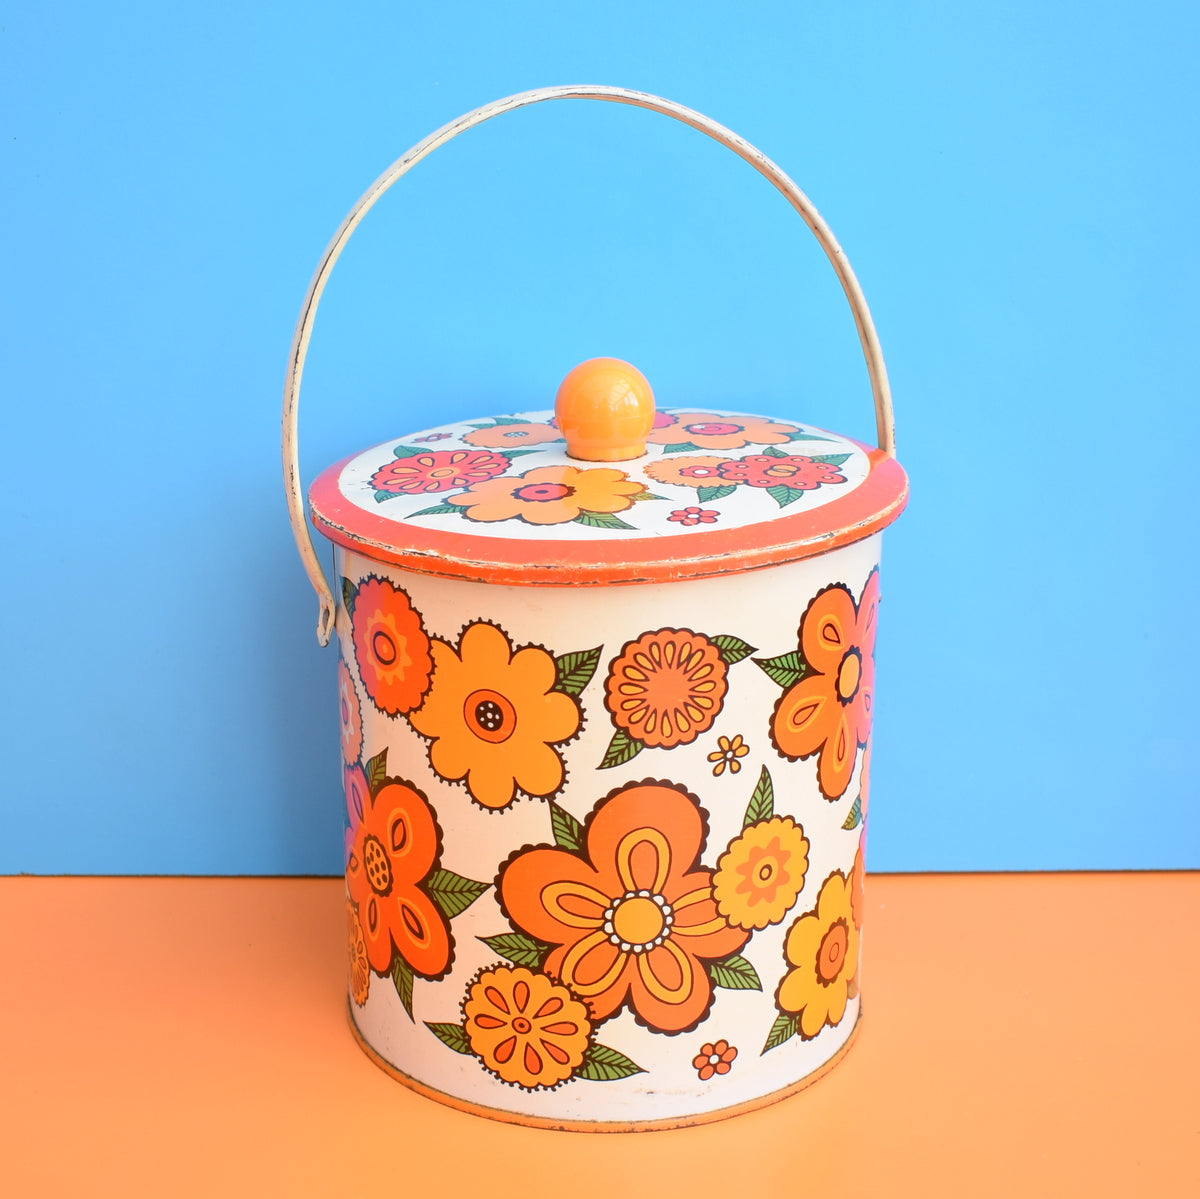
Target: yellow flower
point(761, 873)
point(727, 754)
point(549, 495)
point(822, 949)
point(525, 1028)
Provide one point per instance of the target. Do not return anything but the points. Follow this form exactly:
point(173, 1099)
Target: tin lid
point(508, 500)
point(521, 499)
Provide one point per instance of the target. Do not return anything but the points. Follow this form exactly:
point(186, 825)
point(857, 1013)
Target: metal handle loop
point(884, 423)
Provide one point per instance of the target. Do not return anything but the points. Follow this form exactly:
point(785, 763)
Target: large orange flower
point(666, 688)
point(760, 875)
point(687, 471)
point(509, 436)
point(525, 1028)
point(495, 717)
point(829, 710)
point(549, 495)
point(714, 432)
point(390, 646)
point(395, 848)
point(632, 918)
point(437, 470)
point(822, 950)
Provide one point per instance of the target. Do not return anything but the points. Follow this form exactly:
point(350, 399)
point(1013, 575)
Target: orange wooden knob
point(604, 409)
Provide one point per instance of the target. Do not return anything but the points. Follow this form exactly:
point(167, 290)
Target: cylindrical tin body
point(683, 909)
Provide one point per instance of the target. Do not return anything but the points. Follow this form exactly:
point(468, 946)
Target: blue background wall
point(1015, 185)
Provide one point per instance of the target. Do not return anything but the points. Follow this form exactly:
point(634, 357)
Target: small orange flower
point(501, 437)
point(395, 849)
point(390, 646)
point(631, 918)
point(525, 1028)
point(711, 431)
point(667, 687)
point(760, 875)
point(495, 717)
point(349, 714)
point(822, 950)
point(687, 471)
point(714, 1058)
point(549, 495)
point(360, 974)
point(829, 710)
point(727, 754)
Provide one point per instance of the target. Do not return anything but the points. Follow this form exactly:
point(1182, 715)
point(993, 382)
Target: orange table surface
point(1023, 1035)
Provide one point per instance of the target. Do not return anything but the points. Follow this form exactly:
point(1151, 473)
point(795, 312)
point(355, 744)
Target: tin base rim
point(689, 1121)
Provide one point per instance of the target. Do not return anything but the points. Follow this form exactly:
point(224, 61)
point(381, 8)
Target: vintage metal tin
point(605, 733)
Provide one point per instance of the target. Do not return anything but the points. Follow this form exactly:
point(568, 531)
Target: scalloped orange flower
point(761, 874)
point(631, 918)
point(390, 646)
point(715, 431)
point(495, 717)
point(525, 1028)
point(687, 471)
point(509, 436)
point(828, 712)
point(549, 495)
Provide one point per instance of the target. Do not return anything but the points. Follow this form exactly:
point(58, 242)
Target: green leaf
point(511, 454)
point(508, 420)
point(784, 495)
point(439, 510)
point(568, 832)
point(646, 495)
point(854, 818)
point(481, 425)
point(452, 893)
point(601, 520)
point(773, 451)
point(621, 749)
point(402, 978)
point(800, 435)
point(380, 496)
point(735, 974)
point(376, 772)
point(706, 495)
point(680, 447)
point(762, 800)
point(518, 948)
point(733, 649)
point(349, 591)
point(831, 459)
point(575, 669)
point(786, 670)
point(784, 1029)
point(452, 1035)
point(408, 451)
point(601, 1064)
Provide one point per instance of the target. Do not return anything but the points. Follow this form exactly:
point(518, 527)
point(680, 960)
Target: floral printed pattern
point(796, 471)
point(828, 711)
point(510, 435)
point(727, 754)
point(857, 878)
point(349, 715)
point(360, 974)
point(525, 1028)
point(631, 918)
point(357, 795)
point(550, 495)
point(390, 646)
point(694, 516)
point(821, 950)
point(712, 432)
point(495, 717)
point(687, 472)
point(715, 1057)
point(759, 877)
point(437, 470)
point(395, 848)
point(667, 687)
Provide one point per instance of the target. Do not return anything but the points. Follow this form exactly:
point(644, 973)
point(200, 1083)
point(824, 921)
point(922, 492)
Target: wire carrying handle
point(880, 391)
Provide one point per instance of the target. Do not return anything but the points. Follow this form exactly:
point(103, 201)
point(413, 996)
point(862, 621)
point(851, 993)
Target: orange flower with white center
point(549, 495)
point(495, 717)
point(714, 1058)
point(360, 973)
point(525, 1028)
point(349, 714)
point(822, 950)
point(508, 436)
point(396, 848)
point(760, 875)
point(711, 431)
point(632, 917)
point(687, 471)
point(727, 754)
point(390, 646)
point(829, 710)
point(666, 688)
